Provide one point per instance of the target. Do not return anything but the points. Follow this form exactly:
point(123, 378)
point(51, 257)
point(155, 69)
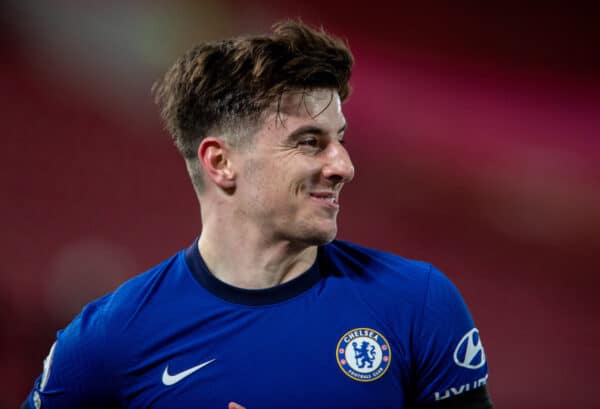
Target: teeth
point(330, 199)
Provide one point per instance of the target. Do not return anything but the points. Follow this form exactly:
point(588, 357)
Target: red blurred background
point(474, 131)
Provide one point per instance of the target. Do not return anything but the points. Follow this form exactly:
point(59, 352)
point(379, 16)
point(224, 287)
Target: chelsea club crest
point(363, 354)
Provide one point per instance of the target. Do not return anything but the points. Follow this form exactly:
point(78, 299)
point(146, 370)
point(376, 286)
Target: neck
point(244, 258)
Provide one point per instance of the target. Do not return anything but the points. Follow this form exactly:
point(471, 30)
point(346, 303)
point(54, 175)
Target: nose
point(338, 165)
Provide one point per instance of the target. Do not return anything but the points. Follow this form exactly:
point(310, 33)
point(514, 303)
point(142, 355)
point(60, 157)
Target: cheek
point(305, 176)
point(271, 186)
point(300, 186)
point(280, 179)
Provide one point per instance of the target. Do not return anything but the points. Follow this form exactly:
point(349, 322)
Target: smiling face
point(288, 182)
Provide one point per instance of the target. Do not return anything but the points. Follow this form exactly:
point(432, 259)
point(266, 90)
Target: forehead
point(320, 106)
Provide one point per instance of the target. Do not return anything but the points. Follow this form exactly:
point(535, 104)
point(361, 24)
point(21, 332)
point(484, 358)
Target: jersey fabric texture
point(360, 329)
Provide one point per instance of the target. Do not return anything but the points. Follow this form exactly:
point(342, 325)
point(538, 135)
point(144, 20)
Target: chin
point(312, 234)
point(321, 237)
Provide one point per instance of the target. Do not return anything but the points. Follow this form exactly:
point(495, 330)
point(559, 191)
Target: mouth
point(328, 199)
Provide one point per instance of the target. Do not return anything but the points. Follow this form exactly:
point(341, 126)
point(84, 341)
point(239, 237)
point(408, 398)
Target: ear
point(214, 155)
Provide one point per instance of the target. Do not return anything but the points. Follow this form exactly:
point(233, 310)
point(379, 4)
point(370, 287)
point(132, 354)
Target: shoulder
point(119, 308)
point(391, 284)
point(397, 284)
point(104, 321)
point(367, 264)
point(369, 258)
point(101, 338)
point(359, 260)
point(101, 341)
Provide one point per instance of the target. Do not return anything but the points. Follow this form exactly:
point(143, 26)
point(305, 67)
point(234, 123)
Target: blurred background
point(475, 131)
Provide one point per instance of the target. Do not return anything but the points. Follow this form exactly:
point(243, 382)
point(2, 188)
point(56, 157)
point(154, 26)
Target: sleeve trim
point(474, 399)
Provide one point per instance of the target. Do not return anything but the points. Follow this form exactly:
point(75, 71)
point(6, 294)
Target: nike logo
point(169, 380)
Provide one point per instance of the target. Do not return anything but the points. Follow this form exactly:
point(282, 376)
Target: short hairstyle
point(225, 86)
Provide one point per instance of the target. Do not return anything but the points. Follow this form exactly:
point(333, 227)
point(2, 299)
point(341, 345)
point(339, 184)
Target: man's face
point(289, 180)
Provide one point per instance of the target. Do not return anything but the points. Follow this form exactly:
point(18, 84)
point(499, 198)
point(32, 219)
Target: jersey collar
point(244, 296)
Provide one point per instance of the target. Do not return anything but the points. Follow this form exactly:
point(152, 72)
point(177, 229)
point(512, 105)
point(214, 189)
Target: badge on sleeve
point(47, 365)
point(37, 401)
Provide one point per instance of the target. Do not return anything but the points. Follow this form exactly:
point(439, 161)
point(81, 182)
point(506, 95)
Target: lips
point(327, 197)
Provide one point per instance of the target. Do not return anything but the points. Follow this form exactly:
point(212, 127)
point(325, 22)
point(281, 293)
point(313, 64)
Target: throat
point(255, 270)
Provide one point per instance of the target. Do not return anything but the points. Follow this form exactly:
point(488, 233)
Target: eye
point(313, 142)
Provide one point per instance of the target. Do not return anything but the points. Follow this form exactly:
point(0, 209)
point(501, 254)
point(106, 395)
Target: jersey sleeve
point(76, 369)
point(449, 356)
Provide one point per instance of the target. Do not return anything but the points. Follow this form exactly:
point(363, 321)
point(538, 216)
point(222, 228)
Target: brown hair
point(226, 85)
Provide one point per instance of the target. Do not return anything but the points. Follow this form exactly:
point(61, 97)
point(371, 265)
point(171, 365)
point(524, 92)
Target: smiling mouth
point(329, 199)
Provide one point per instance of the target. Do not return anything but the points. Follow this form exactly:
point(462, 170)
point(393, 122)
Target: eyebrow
point(312, 129)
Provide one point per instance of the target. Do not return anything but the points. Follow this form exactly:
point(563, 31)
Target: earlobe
point(214, 155)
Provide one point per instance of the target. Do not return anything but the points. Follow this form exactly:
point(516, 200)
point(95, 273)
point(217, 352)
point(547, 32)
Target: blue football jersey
point(360, 329)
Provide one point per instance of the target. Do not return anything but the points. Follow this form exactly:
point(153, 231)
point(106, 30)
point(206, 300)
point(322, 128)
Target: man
point(264, 308)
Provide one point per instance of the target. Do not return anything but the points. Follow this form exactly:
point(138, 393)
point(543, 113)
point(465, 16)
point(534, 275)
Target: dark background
point(474, 131)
